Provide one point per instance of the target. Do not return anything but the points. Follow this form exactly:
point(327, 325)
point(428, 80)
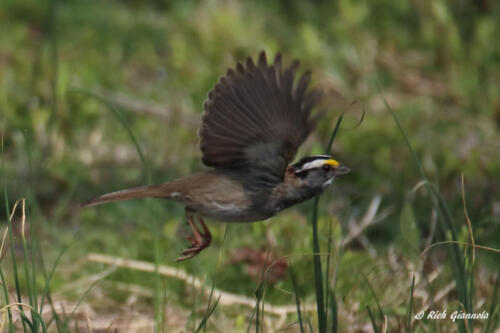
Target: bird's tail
point(153, 191)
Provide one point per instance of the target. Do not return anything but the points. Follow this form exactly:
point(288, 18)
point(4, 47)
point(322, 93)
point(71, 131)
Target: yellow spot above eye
point(332, 162)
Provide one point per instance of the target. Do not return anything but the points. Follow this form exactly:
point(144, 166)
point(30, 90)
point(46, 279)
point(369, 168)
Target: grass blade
point(210, 309)
point(10, 233)
point(250, 322)
point(328, 264)
point(372, 319)
point(48, 278)
point(410, 305)
point(446, 227)
point(34, 292)
point(154, 224)
point(46, 293)
point(6, 295)
point(333, 312)
point(29, 276)
point(309, 324)
point(494, 307)
point(380, 312)
point(297, 299)
point(318, 272)
point(259, 294)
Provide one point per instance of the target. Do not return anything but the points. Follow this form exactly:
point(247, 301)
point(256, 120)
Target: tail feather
point(155, 191)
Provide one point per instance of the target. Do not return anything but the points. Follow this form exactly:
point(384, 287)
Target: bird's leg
point(199, 240)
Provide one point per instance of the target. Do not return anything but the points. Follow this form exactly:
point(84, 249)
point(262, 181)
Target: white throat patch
point(328, 182)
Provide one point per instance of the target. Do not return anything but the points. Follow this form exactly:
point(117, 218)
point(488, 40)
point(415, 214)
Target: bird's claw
point(199, 240)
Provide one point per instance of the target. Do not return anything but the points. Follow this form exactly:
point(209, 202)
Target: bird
point(254, 120)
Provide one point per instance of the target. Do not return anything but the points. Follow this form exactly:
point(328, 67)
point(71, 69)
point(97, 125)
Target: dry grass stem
point(23, 220)
point(226, 298)
point(460, 243)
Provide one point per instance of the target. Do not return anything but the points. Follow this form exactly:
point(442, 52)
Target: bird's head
point(316, 172)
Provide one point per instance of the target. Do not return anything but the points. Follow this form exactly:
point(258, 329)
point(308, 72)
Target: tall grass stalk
point(494, 309)
point(318, 271)
point(30, 278)
point(372, 320)
point(51, 30)
point(210, 309)
point(48, 277)
point(46, 292)
point(333, 312)
point(29, 267)
point(372, 291)
point(11, 240)
point(154, 223)
point(410, 306)
point(463, 276)
point(6, 295)
point(250, 322)
point(259, 294)
point(330, 294)
point(32, 227)
point(297, 299)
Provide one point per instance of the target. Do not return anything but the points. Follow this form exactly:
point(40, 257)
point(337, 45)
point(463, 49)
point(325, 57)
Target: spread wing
point(256, 118)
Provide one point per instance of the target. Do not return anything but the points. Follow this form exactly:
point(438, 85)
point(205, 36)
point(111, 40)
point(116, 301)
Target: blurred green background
point(437, 63)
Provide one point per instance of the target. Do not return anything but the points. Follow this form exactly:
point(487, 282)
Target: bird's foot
point(199, 240)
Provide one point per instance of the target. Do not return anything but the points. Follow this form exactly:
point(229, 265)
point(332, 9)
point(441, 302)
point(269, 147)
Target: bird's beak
point(342, 170)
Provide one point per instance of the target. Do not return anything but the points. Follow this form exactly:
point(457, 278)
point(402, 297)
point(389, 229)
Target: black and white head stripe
point(313, 162)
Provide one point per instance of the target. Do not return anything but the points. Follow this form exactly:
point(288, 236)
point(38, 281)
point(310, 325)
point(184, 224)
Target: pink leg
point(198, 240)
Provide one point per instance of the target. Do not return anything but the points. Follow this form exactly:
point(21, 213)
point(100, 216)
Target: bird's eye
point(326, 167)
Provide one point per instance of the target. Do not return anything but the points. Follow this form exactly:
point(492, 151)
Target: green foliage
point(409, 234)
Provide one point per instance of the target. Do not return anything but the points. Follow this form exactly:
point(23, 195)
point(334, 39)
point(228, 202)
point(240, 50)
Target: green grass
point(447, 228)
point(410, 305)
point(297, 300)
point(322, 308)
point(154, 225)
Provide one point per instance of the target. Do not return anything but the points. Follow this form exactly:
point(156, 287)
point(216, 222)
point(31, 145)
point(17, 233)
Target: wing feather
point(256, 119)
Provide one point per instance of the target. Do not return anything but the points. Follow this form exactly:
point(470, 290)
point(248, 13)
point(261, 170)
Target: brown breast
point(217, 196)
